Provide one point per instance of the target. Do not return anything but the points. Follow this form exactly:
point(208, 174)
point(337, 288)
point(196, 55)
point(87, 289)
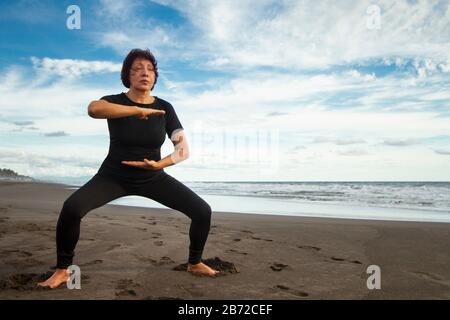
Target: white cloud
point(73, 67)
point(401, 142)
point(52, 161)
point(338, 141)
point(442, 151)
point(51, 94)
point(304, 98)
point(353, 152)
point(311, 34)
point(360, 76)
point(157, 38)
point(117, 9)
point(56, 134)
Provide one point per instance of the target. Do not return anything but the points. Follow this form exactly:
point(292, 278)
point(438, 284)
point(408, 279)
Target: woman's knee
point(72, 209)
point(204, 212)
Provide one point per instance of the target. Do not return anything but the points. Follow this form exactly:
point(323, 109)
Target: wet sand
point(140, 253)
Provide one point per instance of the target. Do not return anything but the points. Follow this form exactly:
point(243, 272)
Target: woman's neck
point(140, 96)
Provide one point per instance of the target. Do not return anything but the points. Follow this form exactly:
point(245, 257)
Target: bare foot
point(202, 269)
point(60, 276)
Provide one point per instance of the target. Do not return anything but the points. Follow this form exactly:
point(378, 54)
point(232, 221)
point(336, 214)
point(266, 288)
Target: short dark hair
point(128, 62)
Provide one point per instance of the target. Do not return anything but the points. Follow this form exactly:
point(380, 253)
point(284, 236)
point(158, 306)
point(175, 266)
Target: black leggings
point(103, 188)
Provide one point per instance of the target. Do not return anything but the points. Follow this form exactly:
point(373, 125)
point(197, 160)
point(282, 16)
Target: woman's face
point(142, 75)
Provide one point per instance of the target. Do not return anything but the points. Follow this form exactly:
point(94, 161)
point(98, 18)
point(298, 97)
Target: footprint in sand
point(29, 227)
point(162, 298)
point(126, 287)
point(162, 261)
point(278, 266)
point(114, 246)
point(258, 238)
point(192, 289)
point(16, 252)
point(90, 263)
point(251, 233)
point(431, 277)
point(237, 239)
point(346, 260)
point(309, 248)
point(294, 292)
point(236, 251)
point(23, 263)
point(317, 249)
point(165, 260)
point(158, 243)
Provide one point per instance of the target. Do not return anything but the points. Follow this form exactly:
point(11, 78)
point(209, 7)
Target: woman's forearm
point(181, 151)
point(101, 109)
point(165, 162)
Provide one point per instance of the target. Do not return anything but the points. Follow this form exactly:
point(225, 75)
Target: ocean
point(395, 201)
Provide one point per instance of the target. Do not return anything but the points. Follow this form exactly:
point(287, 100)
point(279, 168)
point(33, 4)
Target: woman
point(137, 123)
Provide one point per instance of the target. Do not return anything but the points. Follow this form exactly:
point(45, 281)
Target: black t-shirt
point(134, 139)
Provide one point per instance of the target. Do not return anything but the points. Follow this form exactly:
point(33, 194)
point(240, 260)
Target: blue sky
point(266, 90)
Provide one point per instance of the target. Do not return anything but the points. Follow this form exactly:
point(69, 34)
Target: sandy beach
point(140, 253)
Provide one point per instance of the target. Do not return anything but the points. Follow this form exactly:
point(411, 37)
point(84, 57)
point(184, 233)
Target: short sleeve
point(107, 98)
point(172, 121)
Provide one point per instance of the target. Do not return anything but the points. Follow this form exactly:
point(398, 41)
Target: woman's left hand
point(146, 164)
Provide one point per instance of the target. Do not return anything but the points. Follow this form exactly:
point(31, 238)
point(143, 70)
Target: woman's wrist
point(159, 165)
point(138, 111)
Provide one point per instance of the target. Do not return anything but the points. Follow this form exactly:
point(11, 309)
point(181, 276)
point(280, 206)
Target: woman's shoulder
point(166, 105)
point(113, 97)
point(163, 102)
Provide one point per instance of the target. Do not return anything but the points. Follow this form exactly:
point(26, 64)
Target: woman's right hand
point(148, 112)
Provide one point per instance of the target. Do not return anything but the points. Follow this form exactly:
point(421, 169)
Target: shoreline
point(326, 206)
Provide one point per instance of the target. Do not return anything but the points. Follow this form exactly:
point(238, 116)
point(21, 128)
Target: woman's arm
point(180, 153)
point(102, 109)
